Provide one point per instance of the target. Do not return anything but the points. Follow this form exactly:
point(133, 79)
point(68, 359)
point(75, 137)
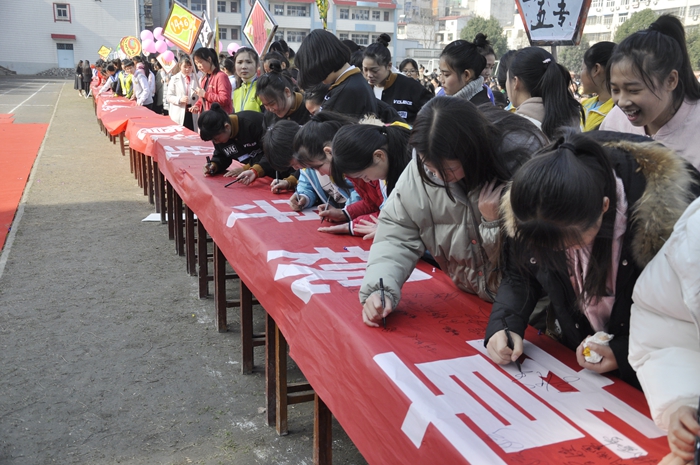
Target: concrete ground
point(106, 353)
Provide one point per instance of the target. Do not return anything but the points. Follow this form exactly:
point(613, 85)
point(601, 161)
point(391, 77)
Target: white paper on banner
point(340, 270)
point(577, 406)
point(551, 20)
point(268, 211)
point(197, 150)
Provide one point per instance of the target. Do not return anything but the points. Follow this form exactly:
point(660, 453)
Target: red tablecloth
point(143, 132)
point(421, 390)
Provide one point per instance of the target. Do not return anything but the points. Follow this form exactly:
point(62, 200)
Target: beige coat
point(177, 88)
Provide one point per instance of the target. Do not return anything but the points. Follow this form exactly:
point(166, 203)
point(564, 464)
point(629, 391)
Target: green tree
point(572, 56)
point(692, 40)
point(491, 28)
point(637, 21)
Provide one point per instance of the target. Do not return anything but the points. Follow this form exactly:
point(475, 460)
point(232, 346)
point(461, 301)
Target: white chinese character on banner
point(176, 151)
point(340, 270)
point(512, 417)
point(269, 211)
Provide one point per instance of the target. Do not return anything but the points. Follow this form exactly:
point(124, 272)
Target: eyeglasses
point(410, 71)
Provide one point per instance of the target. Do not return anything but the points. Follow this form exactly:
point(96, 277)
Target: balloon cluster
point(232, 48)
point(154, 42)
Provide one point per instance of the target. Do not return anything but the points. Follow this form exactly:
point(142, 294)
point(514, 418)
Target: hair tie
point(383, 131)
point(568, 146)
point(547, 61)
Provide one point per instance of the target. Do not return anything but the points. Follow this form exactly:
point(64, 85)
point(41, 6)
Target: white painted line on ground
point(20, 208)
point(8, 104)
point(13, 110)
point(15, 88)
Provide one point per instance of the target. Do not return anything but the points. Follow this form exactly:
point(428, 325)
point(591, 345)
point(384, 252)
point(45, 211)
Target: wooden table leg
point(271, 369)
point(151, 180)
point(121, 143)
point(202, 261)
point(144, 173)
point(158, 188)
point(131, 161)
point(323, 433)
point(191, 259)
point(170, 208)
point(179, 224)
point(281, 382)
point(246, 298)
point(220, 290)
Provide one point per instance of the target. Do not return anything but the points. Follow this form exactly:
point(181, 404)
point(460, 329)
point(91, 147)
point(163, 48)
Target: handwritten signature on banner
point(341, 269)
point(512, 417)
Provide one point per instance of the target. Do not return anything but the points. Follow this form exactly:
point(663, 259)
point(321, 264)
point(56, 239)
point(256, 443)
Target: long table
point(421, 390)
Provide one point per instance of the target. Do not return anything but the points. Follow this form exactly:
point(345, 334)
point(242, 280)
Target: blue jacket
point(310, 187)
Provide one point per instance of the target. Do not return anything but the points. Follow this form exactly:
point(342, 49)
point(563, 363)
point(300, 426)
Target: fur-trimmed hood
point(667, 193)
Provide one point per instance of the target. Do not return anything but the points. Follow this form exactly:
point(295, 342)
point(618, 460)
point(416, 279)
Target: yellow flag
point(216, 36)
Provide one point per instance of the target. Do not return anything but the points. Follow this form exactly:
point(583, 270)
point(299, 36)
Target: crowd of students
point(561, 212)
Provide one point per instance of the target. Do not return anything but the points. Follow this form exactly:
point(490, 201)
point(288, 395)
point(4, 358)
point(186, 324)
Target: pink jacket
point(218, 90)
point(680, 133)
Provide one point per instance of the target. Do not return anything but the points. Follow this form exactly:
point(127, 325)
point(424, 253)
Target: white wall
point(26, 45)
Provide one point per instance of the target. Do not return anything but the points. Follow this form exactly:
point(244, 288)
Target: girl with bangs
point(583, 219)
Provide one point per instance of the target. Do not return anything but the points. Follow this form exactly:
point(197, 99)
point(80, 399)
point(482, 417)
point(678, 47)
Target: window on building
point(279, 35)
point(234, 7)
point(61, 12)
point(64, 46)
point(297, 10)
point(624, 2)
point(360, 39)
point(401, 30)
point(197, 5)
point(376, 15)
point(591, 21)
point(609, 3)
point(222, 33)
point(607, 20)
point(221, 6)
point(622, 18)
point(295, 36)
point(235, 33)
point(279, 10)
point(344, 36)
point(693, 12)
point(344, 13)
point(362, 15)
point(386, 16)
point(597, 4)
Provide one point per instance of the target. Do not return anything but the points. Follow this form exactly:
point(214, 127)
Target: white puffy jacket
point(665, 322)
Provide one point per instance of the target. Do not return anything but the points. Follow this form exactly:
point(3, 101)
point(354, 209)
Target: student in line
point(214, 86)
point(277, 94)
point(142, 92)
point(182, 94)
point(235, 137)
point(486, 50)
point(594, 81)
point(245, 97)
point(654, 88)
point(664, 335)
point(583, 219)
point(376, 155)
point(229, 67)
point(461, 66)
point(323, 59)
point(406, 95)
point(540, 90)
point(447, 201)
point(278, 145)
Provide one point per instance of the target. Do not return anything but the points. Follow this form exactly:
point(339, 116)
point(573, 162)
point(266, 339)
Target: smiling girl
point(277, 94)
point(245, 98)
point(654, 88)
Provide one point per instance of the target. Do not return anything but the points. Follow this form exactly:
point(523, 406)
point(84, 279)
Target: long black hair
point(655, 52)
point(320, 54)
point(271, 85)
point(316, 134)
point(212, 122)
point(557, 195)
point(278, 144)
point(208, 54)
point(491, 146)
point(543, 77)
point(354, 147)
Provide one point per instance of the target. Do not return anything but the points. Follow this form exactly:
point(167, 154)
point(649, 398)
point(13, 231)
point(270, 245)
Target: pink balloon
point(168, 56)
point(146, 35)
point(158, 33)
point(170, 44)
point(232, 48)
point(161, 46)
point(148, 46)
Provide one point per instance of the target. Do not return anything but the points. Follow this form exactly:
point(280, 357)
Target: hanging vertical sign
point(553, 22)
point(206, 34)
point(182, 28)
point(260, 28)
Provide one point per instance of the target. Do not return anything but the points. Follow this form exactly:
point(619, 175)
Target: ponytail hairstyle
point(543, 77)
point(558, 195)
point(212, 122)
point(320, 54)
point(379, 51)
point(272, 85)
point(655, 52)
point(230, 65)
point(492, 146)
point(503, 65)
point(316, 134)
point(278, 143)
point(208, 54)
point(462, 55)
point(271, 57)
point(354, 147)
point(598, 53)
point(483, 46)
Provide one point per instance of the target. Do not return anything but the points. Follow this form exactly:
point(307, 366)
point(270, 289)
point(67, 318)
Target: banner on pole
point(553, 22)
point(130, 45)
point(182, 28)
point(206, 34)
point(104, 52)
point(260, 28)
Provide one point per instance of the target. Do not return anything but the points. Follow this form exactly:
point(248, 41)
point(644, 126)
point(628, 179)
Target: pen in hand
point(381, 295)
point(233, 182)
point(326, 209)
point(510, 343)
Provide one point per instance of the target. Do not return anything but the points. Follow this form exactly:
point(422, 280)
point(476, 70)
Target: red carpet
point(19, 145)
